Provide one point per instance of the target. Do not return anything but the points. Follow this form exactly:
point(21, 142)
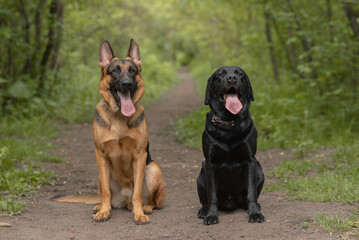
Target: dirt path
point(45, 219)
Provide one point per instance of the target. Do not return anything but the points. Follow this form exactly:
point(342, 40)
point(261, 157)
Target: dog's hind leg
point(255, 183)
point(260, 179)
point(155, 193)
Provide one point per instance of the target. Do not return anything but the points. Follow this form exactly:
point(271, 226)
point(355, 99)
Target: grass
point(20, 171)
point(335, 223)
point(11, 207)
point(333, 180)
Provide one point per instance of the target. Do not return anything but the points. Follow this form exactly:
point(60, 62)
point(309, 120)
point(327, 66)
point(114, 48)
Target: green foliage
point(11, 207)
point(335, 223)
point(35, 127)
point(335, 179)
point(292, 118)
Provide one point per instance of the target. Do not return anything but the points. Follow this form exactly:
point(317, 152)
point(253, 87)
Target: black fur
point(100, 121)
point(148, 159)
point(138, 121)
point(231, 177)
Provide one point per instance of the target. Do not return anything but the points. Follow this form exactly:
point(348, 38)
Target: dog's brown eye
point(131, 70)
point(115, 70)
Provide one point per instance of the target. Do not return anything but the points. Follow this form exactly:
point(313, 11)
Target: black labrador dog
point(231, 177)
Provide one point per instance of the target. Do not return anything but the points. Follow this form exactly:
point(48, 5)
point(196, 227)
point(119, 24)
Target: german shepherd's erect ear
point(105, 54)
point(134, 53)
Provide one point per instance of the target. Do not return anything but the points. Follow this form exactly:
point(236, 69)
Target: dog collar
point(222, 124)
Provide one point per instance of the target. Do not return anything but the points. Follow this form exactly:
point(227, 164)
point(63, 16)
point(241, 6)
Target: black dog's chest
point(223, 156)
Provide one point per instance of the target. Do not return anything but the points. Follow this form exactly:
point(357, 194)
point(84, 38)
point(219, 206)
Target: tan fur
point(121, 157)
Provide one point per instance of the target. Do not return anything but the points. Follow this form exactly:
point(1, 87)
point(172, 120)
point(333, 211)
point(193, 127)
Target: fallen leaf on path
point(4, 224)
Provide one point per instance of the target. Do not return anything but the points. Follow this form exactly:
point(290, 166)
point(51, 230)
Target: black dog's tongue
point(127, 107)
point(233, 104)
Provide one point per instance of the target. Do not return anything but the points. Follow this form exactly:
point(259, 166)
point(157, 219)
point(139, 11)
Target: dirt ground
point(45, 219)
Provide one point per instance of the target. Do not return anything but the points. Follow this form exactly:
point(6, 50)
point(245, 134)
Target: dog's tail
point(88, 198)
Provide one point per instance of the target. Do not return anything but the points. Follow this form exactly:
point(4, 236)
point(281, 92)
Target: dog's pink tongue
point(127, 107)
point(233, 104)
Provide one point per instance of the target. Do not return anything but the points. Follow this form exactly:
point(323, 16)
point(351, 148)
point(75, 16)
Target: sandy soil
point(45, 219)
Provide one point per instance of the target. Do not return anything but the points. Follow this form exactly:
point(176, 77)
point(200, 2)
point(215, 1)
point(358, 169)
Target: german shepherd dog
point(127, 175)
point(231, 177)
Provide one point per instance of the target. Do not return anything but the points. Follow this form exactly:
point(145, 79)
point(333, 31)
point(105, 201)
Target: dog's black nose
point(126, 83)
point(232, 78)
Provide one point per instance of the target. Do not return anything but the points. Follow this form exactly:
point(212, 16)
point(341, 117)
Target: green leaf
point(19, 90)
point(338, 91)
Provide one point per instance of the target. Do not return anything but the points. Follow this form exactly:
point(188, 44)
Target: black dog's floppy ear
point(250, 92)
point(105, 54)
point(207, 97)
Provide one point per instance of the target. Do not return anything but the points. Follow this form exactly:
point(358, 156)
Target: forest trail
point(45, 219)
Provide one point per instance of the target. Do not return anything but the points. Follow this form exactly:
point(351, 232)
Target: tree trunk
point(305, 42)
point(37, 38)
point(26, 28)
point(352, 16)
point(57, 40)
point(49, 47)
point(38, 24)
point(329, 17)
point(270, 45)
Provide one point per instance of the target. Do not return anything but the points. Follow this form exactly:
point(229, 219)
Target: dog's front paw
point(101, 216)
point(210, 220)
point(202, 212)
point(141, 219)
point(256, 217)
point(97, 208)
